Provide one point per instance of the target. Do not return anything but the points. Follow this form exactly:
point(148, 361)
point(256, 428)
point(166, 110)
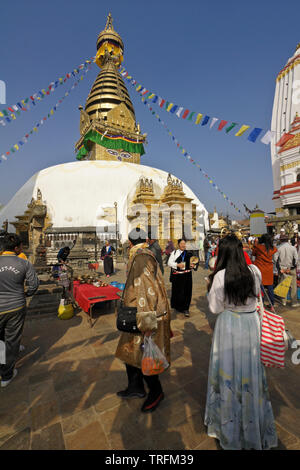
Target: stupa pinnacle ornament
point(107, 124)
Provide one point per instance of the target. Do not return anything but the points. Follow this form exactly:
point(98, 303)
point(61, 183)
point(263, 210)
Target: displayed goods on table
point(92, 280)
point(86, 294)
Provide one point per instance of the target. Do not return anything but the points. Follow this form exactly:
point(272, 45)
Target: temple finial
point(109, 23)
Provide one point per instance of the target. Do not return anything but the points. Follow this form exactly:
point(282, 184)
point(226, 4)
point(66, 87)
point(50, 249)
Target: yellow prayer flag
point(35, 129)
point(199, 117)
point(51, 112)
point(170, 107)
point(16, 146)
point(13, 116)
point(242, 130)
point(151, 96)
point(1, 115)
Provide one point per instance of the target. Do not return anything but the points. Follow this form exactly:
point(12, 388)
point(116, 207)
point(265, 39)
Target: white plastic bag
point(153, 360)
point(2, 353)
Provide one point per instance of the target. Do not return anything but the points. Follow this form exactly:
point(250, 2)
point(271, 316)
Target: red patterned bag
point(272, 341)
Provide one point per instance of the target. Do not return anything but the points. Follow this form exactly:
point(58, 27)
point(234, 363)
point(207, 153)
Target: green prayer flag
point(191, 116)
point(228, 129)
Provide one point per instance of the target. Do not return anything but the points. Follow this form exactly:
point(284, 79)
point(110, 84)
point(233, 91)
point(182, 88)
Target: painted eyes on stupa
point(120, 155)
point(113, 152)
point(125, 155)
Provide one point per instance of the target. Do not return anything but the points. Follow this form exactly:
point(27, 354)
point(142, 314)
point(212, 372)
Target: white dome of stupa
point(82, 194)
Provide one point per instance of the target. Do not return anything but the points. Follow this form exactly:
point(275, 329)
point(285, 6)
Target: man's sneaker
point(186, 313)
point(284, 302)
point(134, 394)
point(295, 305)
point(21, 348)
point(4, 383)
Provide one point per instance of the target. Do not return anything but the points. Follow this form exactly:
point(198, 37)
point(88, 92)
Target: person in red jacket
point(263, 252)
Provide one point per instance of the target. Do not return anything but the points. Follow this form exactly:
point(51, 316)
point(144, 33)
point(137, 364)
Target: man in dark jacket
point(14, 271)
point(156, 250)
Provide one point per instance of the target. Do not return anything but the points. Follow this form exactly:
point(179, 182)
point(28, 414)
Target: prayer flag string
point(201, 118)
point(186, 154)
point(24, 140)
point(10, 113)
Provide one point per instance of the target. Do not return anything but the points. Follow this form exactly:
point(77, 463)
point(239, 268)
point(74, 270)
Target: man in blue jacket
point(14, 271)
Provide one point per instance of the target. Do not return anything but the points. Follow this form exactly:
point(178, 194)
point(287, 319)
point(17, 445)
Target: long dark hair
point(266, 240)
point(239, 282)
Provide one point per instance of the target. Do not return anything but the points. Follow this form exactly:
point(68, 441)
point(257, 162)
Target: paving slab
point(64, 396)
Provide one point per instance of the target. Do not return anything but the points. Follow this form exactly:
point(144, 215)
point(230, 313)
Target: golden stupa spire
point(107, 124)
point(109, 89)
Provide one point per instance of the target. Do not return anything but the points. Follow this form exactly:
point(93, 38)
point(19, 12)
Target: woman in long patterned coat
point(145, 290)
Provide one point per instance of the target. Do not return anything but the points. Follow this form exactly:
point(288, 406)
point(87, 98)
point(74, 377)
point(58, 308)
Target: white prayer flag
point(179, 111)
point(268, 137)
point(213, 122)
point(3, 157)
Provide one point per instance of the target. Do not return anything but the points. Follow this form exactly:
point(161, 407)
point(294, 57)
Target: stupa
point(91, 199)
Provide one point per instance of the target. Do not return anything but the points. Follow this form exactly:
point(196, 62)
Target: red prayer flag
point(185, 114)
point(10, 109)
point(221, 125)
point(162, 103)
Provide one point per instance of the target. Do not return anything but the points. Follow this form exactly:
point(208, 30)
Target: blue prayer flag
point(254, 134)
point(205, 120)
point(174, 108)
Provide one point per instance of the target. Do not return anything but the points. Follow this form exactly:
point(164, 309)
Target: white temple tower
point(285, 120)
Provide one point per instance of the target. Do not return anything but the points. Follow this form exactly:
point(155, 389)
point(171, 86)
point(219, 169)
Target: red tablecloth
point(82, 292)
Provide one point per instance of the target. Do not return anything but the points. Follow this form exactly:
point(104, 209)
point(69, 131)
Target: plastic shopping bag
point(2, 353)
point(153, 360)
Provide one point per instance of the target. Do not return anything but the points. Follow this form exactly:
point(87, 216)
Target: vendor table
point(87, 295)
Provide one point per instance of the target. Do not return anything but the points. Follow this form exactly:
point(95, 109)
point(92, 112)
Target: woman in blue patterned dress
point(238, 408)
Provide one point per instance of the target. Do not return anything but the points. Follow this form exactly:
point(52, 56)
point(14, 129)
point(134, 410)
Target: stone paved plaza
point(64, 396)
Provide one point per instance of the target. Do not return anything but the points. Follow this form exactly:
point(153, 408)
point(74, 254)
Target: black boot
point(135, 387)
point(155, 396)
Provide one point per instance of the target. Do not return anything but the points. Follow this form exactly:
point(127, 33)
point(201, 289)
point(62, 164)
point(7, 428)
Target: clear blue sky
point(219, 58)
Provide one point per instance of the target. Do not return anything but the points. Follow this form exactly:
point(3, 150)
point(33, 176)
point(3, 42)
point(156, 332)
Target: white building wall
point(284, 111)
